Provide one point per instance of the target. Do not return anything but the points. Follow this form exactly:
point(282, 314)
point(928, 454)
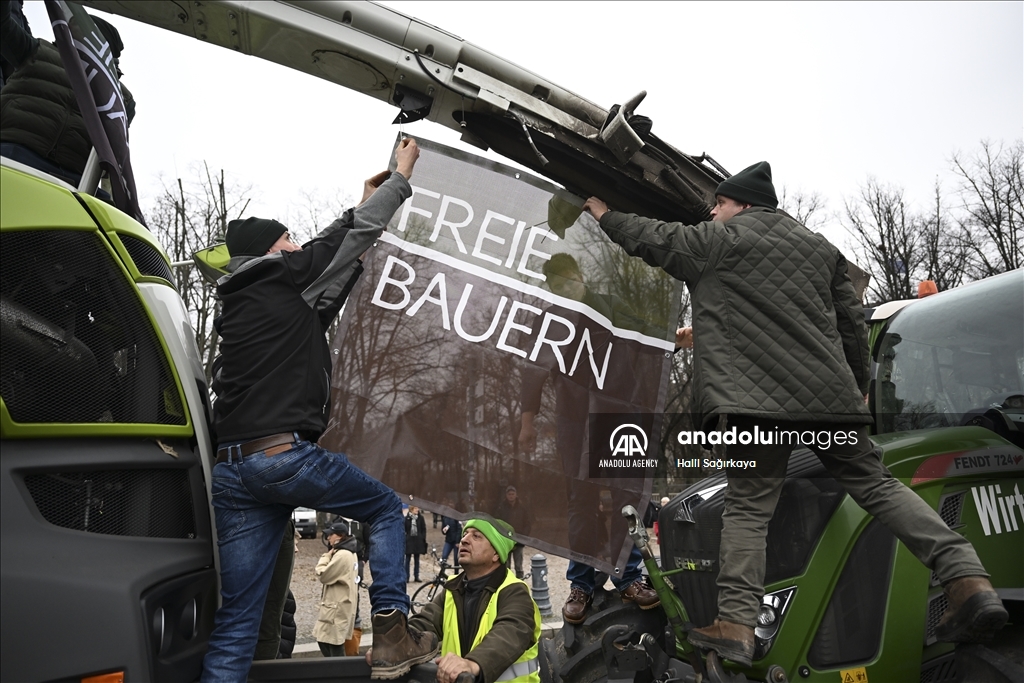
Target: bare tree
point(886, 240)
point(808, 208)
point(191, 215)
point(315, 211)
point(991, 191)
point(312, 214)
point(944, 246)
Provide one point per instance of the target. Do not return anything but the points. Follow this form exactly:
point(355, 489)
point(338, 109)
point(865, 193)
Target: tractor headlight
point(769, 619)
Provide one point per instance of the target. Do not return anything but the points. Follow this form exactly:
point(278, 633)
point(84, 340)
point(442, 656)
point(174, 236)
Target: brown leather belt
point(273, 445)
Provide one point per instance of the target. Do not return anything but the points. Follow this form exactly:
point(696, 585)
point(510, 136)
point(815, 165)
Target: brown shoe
point(396, 647)
point(641, 593)
point(974, 614)
point(576, 607)
point(729, 640)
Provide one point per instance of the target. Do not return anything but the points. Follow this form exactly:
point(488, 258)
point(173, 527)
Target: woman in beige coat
point(337, 572)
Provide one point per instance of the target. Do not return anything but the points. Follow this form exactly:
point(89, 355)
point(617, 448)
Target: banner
point(492, 325)
point(91, 68)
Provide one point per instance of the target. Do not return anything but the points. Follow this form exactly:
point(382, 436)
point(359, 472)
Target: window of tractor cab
point(949, 357)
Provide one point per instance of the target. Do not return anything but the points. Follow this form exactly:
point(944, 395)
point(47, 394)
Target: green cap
point(496, 531)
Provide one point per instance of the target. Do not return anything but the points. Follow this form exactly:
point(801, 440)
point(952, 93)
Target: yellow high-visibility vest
point(526, 669)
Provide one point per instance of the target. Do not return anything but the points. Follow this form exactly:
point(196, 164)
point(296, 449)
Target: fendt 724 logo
point(998, 512)
point(628, 441)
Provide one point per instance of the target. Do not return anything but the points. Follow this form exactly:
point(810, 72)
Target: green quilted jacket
point(778, 330)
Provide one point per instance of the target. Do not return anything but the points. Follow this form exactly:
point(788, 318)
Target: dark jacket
point(454, 530)
point(509, 637)
point(274, 371)
point(288, 628)
point(39, 110)
point(778, 331)
point(518, 515)
point(415, 545)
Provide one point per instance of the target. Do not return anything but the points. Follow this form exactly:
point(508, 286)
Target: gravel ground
point(306, 587)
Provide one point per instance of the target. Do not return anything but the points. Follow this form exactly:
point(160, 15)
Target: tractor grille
point(950, 508)
point(147, 259)
point(129, 502)
point(936, 606)
point(77, 345)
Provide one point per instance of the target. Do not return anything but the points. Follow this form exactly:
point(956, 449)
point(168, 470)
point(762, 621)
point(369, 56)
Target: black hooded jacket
point(274, 371)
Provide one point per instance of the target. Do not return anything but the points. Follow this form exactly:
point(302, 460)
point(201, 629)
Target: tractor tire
point(1000, 661)
point(574, 654)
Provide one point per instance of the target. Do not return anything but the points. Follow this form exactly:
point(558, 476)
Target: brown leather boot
point(576, 606)
point(396, 647)
point(729, 640)
point(641, 593)
point(974, 614)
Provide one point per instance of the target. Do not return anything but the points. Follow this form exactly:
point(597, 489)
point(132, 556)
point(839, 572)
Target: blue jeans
point(253, 498)
point(448, 548)
point(583, 575)
point(415, 559)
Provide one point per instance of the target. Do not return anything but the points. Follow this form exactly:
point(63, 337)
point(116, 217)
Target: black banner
point(491, 321)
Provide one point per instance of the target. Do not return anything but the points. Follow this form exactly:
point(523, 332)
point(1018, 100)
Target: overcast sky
point(829, 93)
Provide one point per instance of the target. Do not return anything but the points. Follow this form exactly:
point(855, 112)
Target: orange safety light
point(115, 677)
point(926, 288)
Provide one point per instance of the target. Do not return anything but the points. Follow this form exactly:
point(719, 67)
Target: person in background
point(415, 542)
point(516, 513)
point(452, 530)
point(337, 572)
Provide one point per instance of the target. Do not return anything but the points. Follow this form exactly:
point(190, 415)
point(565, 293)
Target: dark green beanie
point(752, 185)
point(253, 236)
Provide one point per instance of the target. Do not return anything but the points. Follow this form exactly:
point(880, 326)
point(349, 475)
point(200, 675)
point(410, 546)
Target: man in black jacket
point(273, 392)
point(780, 343)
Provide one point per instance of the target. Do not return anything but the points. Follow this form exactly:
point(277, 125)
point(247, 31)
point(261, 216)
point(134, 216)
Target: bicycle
point(425, 593)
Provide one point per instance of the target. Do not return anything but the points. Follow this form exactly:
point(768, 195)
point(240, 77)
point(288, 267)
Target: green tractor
point(844, 601)
point(106, 524)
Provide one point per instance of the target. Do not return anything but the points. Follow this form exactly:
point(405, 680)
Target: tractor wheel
point(574, 654)
point(1000, 661)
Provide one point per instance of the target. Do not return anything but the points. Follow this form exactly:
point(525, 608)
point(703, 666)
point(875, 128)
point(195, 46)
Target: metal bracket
point(618, 136)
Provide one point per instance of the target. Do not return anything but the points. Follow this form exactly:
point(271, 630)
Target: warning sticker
point(858, 675)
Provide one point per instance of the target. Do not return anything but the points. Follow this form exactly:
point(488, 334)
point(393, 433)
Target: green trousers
point(751, 496)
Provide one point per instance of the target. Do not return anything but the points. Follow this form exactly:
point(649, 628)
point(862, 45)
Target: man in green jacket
point(486, 619)
point(779, 342)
